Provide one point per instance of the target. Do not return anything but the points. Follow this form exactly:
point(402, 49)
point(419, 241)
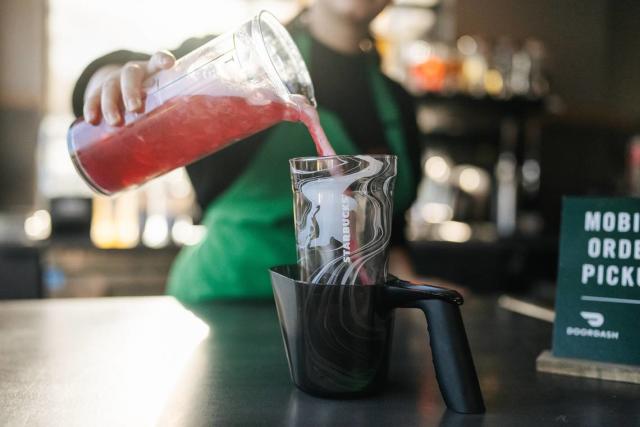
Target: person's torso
point(250, 224)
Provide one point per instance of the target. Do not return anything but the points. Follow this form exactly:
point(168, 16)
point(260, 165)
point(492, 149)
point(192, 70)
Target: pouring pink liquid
point(178, 132)
point(309, 116)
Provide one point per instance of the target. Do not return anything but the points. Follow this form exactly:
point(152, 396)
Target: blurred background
point(518, 103)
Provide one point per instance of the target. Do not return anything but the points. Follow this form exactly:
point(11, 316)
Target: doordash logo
point(595, 320)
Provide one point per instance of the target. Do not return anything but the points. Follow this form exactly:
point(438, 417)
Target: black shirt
point(343, 87)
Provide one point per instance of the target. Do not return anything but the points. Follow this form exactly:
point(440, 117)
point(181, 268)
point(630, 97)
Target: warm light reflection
point(454, 231)
point(115, 221)
point(184, 232)
point(493, 82)
point(38, 225)
point(436, 212)
point(469, 180)
point(473, 71)
point(437, 168)
point(126, 220)
point(178, 184)
point(418, 52)
point(102, 227)
point(472, 179)
point(467, 45)
point(156, 231)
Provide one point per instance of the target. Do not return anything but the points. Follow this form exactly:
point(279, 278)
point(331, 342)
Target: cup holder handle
point(452, 358)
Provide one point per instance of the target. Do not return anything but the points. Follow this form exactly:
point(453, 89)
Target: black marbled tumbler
point(337, 337)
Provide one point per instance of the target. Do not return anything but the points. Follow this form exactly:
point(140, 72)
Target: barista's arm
point(210, 176)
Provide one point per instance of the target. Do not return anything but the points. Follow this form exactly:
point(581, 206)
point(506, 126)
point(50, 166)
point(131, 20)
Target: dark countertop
point(146, 361)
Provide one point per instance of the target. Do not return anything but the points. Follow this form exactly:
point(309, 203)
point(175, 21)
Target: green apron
point(250, 226)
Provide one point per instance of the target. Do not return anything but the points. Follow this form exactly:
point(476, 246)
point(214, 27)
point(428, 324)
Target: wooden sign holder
point(547, 362)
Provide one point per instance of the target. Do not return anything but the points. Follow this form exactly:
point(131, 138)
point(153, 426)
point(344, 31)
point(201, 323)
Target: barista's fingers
point(160, 61)
point(91, 109)
point(131, 78)
point(110, 101)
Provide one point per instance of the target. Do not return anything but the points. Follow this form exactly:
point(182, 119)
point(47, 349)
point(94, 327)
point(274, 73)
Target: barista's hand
point(114, 88)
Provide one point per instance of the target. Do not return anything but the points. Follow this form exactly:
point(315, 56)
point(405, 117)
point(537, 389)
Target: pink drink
point(309, 116)
point(176, 133)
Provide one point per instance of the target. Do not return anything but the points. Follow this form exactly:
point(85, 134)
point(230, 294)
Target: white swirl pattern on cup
point(343, 209)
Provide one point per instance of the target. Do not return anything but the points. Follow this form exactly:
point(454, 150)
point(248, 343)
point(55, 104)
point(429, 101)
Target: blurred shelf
point(82, 270)
point(517, 105)
point(461, 118)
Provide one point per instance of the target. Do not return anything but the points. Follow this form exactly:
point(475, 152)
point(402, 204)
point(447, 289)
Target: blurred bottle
point(127, 220)
point(520, 79)
point(156, 227)
point(395, 29)
point(499, 74)
point(506, 177)
point(429, 75)
point(539, 85)
point(103, 233)
point(474, 65)
point(183, 209)
point(115, 222)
